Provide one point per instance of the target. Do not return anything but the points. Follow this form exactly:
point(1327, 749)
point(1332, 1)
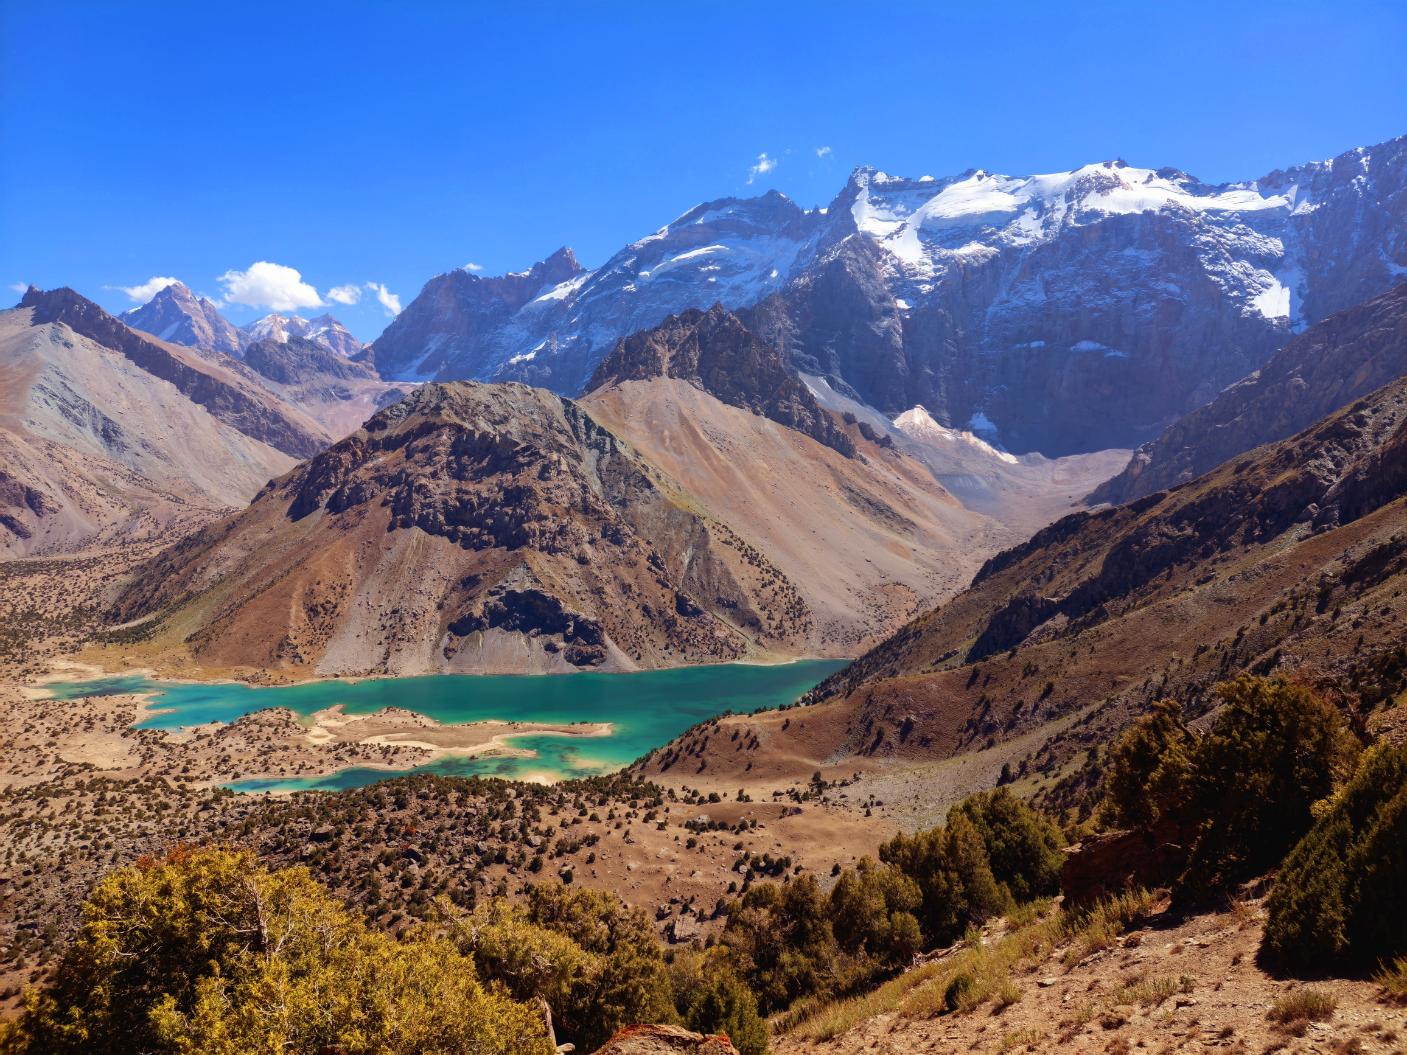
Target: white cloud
point(348, 294)
point(822, 152)
point(148, 289)
point(19, 287)
point(473, 267)
point(764, 165)
point(390, 301)
point(267, 285)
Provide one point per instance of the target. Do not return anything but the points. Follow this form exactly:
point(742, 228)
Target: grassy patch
point(1151, 992)
point(977, 973)
point(1021, 1038)
point(1393, 979)
point(1302, 1005)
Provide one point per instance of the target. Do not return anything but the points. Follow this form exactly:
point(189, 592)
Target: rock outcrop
point(666, 1040)
point(714, 350)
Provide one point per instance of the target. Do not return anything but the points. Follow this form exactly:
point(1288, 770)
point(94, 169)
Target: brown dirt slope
point(94, 447)
point(868, 540)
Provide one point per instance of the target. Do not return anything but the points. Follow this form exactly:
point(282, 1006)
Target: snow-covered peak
point(917, 424)
point(275, 327)
point(921, 221)
point(325, 330)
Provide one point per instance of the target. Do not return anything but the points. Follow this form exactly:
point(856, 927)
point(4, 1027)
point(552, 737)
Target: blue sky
point(382, 143)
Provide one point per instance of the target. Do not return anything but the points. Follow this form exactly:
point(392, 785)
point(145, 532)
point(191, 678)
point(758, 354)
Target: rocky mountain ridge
point(485, 528)
point(125, 441)
point(323, 330)
point(176, 314)
point(1290, 560)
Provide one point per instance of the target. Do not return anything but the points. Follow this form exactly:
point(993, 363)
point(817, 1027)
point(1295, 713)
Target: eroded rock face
point(1343, 358)
point(717, 352)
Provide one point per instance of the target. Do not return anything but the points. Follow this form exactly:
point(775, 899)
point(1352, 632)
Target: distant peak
point(564, 256)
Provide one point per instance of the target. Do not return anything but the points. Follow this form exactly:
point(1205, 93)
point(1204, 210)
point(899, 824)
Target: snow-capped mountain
point(323, 330)
point(176, 314)
point(552, 324)
point(1062, 312)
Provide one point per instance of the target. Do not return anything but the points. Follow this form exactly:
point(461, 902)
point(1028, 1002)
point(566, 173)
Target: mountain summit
point(323, 330)
point(717, 352)
point(176, 314)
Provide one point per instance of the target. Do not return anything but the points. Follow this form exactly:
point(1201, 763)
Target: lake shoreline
point(512, 726)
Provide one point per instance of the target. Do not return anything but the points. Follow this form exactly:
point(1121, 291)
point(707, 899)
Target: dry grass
point(1021, 1038)
point(1302, 1005)
point(977, 972)
point(1393, 979)
point(1151, 992)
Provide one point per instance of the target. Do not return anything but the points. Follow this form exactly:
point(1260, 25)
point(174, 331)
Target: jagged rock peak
point(716, 351)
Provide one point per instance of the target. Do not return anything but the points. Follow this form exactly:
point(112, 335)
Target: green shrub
point(780, 940)
point(631, 983)
point(1338, 896)
point(958, 991)
point(954, 877)
point(1240, 796)
point(871, 911)
point(713, 999)
point(205, 951)
point(1277, 749)
point(1150, 769)
point(1023, 847)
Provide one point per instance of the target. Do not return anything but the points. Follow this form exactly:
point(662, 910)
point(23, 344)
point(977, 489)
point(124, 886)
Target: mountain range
point(1057, 313)
point(112, 433)
point(177, 315)
point(500, 528)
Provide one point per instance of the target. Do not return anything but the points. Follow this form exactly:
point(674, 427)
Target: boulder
point(666, 1040)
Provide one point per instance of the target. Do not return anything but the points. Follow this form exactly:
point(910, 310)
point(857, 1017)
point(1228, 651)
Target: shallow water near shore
point(645, 710)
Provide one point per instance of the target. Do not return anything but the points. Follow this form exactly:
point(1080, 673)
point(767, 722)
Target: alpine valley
point(1029, 554)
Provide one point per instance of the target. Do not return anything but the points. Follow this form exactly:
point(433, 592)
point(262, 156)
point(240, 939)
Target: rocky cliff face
point(460, 320)
point(469, 528)
point(716, 352)
point(177, 315)
point(1060, 313)
point(1347, 356)
point(297, 359)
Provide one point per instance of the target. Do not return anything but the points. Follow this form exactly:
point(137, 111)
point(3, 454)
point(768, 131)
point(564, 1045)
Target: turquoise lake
point(646, 709)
